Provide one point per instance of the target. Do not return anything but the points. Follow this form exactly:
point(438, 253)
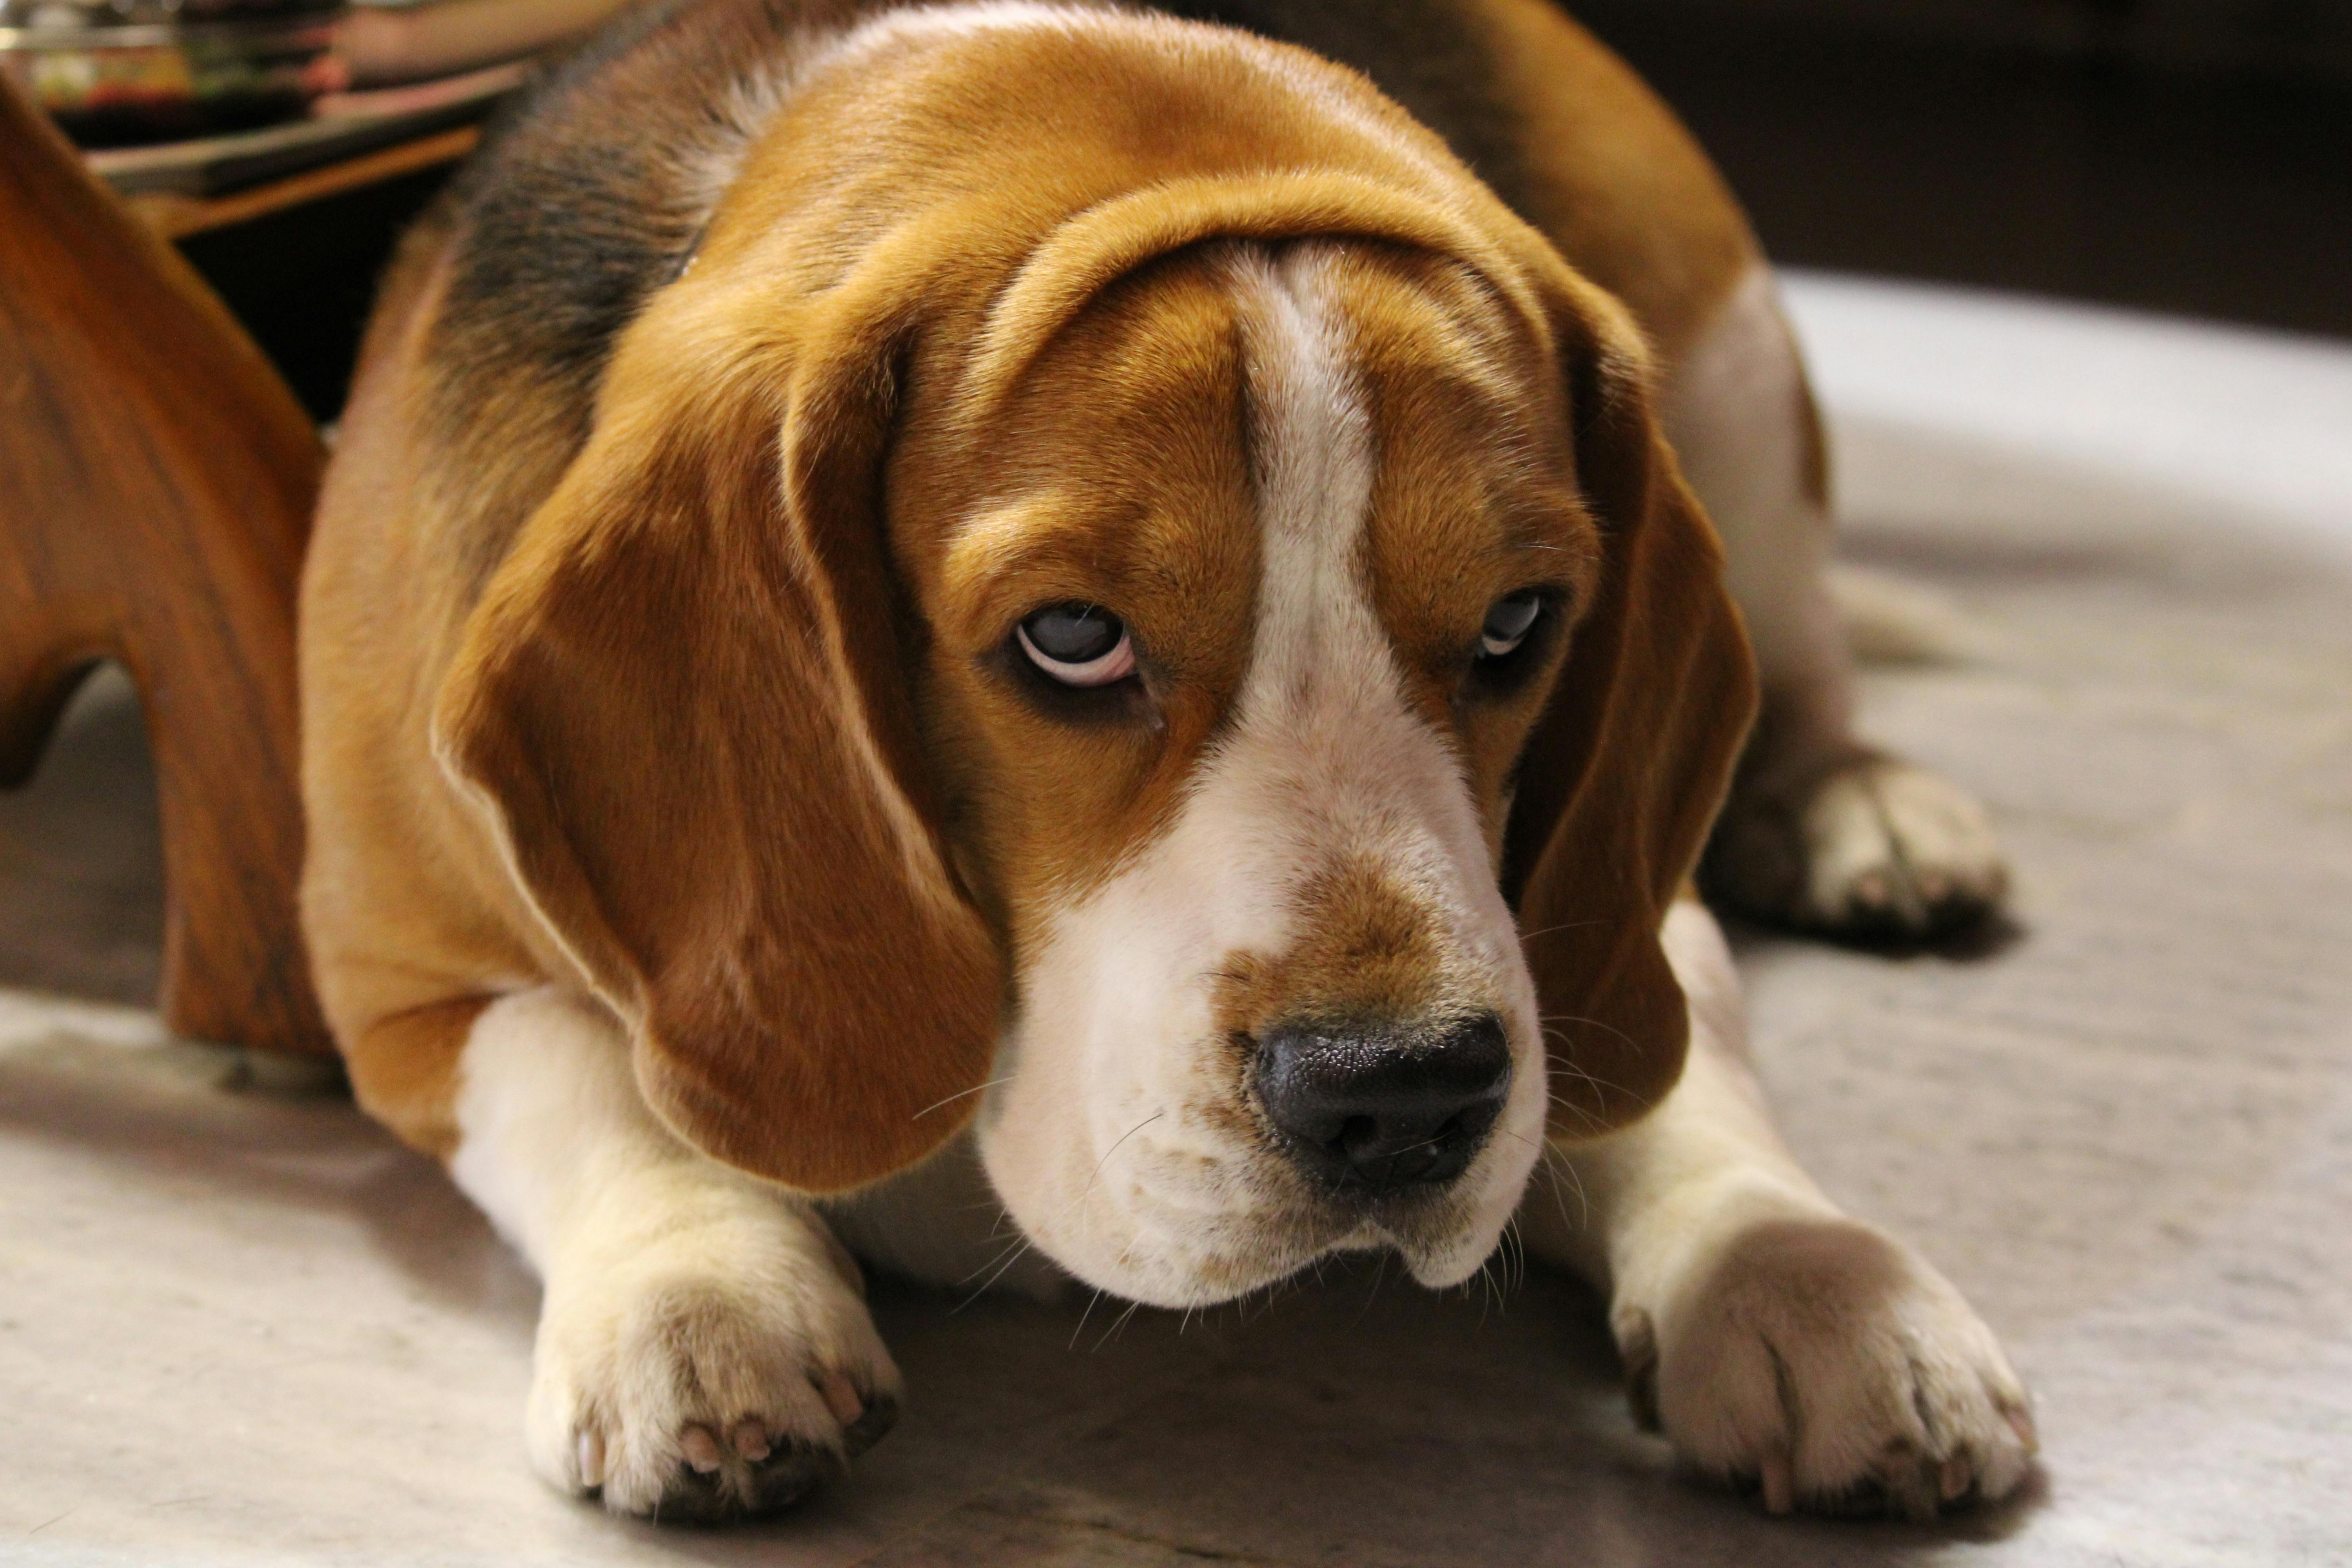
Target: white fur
point(1888, 837)
point(688, 1306)
point(1112, 1135)
point(1784, 1341)
point(1821, 830)
point(1735, 412)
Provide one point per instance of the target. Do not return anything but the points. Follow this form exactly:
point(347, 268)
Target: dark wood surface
point(180, 218)
point(156, 480)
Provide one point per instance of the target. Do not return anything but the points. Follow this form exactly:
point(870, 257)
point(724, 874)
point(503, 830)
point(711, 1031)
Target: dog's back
point(592, 193)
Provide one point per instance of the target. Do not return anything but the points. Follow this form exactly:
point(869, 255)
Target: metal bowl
point(142, 71)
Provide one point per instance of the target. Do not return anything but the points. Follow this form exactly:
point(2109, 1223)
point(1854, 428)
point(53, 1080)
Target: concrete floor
point(238, 1325)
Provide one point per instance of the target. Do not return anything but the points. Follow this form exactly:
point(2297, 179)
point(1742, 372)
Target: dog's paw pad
point(1825, 1366)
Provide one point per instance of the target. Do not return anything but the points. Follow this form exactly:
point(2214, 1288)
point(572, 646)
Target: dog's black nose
point(1383, 1109)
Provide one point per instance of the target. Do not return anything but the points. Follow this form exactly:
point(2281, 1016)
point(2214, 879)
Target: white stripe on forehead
point(1314, 464)
point(1325, 757)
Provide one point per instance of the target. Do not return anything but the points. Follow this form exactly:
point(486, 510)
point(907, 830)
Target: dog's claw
point(2020, 1421)
point(701, 1450)
point(591, 1460)
point(841, 1397)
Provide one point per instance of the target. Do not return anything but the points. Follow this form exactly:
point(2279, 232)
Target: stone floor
point(238, 1325)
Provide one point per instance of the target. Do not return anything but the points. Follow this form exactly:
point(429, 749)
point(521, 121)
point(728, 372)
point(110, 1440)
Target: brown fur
point(1366, 958)
point(1613, 178)
point(716, 729)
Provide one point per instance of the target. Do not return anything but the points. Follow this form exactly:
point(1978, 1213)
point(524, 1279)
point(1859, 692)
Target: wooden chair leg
point(156, 480)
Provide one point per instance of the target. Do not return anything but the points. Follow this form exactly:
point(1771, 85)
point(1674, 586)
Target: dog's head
point(1215, 675)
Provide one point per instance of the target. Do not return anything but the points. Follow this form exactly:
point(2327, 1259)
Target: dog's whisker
point(1550, 1019)
point(1554, 1168)
point(1113, 1149)
point(1092, 1302)
point(1554, 931)
point(1018, 1253)
point(962, 1094)
point(1120, 1322)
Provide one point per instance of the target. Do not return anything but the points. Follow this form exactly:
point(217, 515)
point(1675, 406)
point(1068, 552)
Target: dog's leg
point(1775, 1340)
point(1821, 830)
point(703, 1350)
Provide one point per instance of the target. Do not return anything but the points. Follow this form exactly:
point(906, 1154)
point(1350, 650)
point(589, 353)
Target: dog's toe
point(709, 1470)
point(714, 1485)
point(699, 1380)
point(1828, 1367)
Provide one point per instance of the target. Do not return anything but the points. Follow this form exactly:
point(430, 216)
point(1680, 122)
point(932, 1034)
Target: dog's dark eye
point(1508, 624)
point(1078, 645)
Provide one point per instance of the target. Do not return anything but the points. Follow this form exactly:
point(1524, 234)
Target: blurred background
point(2190, 156)
point(2181, 156)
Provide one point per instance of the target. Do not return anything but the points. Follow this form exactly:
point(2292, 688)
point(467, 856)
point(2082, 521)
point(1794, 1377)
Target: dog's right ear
point(1622, 776)
point(683, 701)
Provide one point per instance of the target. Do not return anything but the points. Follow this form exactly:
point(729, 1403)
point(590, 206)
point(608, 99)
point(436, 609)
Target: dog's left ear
point(682, 699)
point(1623, 774)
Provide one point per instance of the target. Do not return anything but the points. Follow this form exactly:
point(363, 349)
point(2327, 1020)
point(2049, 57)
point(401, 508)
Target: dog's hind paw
point(1830, 1367)
point(712, 1374)
point(1874, 848)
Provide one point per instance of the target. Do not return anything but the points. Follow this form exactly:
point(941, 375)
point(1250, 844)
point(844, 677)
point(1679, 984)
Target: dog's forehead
point(1120, 474)
point(1313, 467)
point(1136, 456)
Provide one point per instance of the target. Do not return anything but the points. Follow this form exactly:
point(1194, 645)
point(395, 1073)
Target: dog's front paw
point(1872, 848)
point(712, 1373)
point(1831, 1367)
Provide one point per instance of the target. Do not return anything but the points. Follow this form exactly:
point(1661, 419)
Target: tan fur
point(405, 1070)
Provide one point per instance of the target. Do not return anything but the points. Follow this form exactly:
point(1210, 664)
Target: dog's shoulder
point(1560, 128)
point(585, 199)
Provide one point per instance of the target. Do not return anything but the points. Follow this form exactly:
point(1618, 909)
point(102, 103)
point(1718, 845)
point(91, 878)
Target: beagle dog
point(1112, 610)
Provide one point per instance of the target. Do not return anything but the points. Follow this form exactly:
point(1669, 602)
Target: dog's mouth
point(1318, 1142)
point(1441, 1230)
point(1440, 1244)
point(1187, 1242)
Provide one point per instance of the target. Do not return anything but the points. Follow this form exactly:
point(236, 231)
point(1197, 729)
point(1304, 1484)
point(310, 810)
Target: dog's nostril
point(1383, 1107)
point(1354, 1133)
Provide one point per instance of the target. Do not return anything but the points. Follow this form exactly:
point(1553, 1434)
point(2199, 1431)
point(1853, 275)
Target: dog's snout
point(1379, 1109)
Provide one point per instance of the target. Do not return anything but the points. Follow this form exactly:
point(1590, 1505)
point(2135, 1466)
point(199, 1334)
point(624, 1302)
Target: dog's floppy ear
point(1623, 773)
point(682, 699)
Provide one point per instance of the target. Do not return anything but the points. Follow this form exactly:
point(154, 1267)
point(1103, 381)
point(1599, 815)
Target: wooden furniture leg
point(156, 480)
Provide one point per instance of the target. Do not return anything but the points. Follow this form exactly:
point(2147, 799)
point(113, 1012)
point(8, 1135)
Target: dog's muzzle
point(1369, 1111)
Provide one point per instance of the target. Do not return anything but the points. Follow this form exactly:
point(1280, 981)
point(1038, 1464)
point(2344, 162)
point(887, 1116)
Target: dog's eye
point(1078, 645)
point(1508, 624)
